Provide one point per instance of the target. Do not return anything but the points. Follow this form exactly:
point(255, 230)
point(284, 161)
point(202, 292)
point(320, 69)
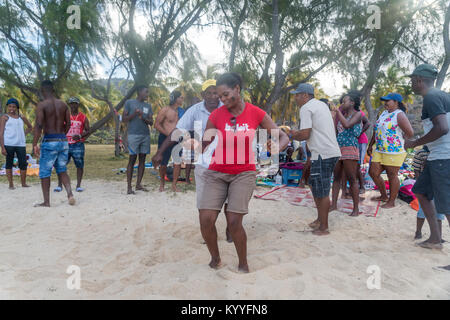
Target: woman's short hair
point(173, 97)
point(230, 79)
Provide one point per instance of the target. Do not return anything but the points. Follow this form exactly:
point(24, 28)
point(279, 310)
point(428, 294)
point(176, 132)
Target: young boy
point(419, 161)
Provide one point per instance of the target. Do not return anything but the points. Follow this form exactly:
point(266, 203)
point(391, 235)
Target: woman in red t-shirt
point(232, 172)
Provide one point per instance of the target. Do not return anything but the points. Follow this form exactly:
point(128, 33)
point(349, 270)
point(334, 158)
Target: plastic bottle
point(278, 179)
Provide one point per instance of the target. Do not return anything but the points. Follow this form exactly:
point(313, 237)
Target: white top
point(14, 135)
point(195, 119)
point(316, 115)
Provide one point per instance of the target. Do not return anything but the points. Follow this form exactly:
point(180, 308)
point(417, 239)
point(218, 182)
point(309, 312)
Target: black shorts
point(320, 177)
point(20, 152)
point(434, 183)
point(168, 153)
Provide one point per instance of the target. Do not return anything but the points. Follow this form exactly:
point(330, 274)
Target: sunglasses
point(233, 123)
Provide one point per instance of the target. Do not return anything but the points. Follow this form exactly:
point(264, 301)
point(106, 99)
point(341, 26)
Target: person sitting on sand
point(13, 142)
point(434, 182)
point(232, 172)
point(165, 123)
point(79, 129)
point(389, 138)
point(138, 115)
point(349, 128)
point(317, 128)
point(420, 158)
point(52, 117)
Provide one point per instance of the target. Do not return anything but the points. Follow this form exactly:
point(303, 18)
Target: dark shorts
point(138, 144)
point(21, 154)
point(320, 177)
point(76, 151)
point(168, 153)
point(434, 183)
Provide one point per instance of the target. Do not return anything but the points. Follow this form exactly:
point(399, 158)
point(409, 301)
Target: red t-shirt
point(234, 153)
point(76, 127)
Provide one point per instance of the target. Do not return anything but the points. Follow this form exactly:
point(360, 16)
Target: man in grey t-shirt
point(138, 115)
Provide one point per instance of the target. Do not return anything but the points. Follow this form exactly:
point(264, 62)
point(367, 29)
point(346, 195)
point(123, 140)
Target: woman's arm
point(372, 142)
point(209, 135)
point(405, 125)
point(366, 124)
point(356, 118)
point(2, 133)
point(268, 124)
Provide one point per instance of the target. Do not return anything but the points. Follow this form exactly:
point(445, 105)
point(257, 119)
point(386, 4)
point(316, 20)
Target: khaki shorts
point(218, 186)
point(199, 182)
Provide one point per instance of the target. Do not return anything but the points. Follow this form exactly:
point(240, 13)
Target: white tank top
point(14, 134)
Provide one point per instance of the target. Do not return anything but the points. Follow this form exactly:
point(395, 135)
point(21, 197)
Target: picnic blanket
point(303, 197)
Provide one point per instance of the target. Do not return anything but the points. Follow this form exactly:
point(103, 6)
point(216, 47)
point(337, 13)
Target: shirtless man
point(52, 116)
point(165, 123)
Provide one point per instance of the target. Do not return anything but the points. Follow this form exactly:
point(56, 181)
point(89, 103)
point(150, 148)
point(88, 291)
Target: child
point(418, 165)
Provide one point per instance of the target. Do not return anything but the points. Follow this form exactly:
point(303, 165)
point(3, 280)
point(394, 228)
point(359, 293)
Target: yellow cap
point(208, 83)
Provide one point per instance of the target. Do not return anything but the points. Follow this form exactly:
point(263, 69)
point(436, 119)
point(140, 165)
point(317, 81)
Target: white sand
point(149, 246)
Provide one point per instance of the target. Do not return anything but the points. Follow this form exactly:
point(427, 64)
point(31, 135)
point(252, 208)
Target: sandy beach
point(149, 246)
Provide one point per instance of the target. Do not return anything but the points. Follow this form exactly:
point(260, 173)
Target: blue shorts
point(54, 153)
point(421, 214)
point(76, 151)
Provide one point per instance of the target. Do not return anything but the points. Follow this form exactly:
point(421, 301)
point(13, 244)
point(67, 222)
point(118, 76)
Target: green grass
point(101, 164)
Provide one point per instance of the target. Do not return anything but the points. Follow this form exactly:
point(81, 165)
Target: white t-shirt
point(315, 115)
point(195, 119)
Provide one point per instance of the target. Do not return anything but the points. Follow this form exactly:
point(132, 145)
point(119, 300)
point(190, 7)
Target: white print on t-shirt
point(244, 127)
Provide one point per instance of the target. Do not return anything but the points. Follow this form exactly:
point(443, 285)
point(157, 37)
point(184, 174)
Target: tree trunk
point(446, 65)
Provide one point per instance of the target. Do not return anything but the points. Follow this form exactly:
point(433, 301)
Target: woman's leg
point(394, 186)
point(338, 173)
point(209, 232)
point(234, 223)
point(22, 156)
point(350, 168)
point(375, 173)
point(9, 164)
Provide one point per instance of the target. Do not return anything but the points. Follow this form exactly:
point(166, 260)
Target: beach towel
point(303, 197)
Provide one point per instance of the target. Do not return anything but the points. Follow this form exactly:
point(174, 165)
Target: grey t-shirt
point(136, 126)
point(436, 102)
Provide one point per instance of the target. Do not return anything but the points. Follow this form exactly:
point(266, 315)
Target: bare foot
point(141, 188)
point(430, 245)
point(321, 232)
point(45, 205)
point(380, 198)
point(12, 188)
point(333, 208)
point(161, 188)
point(175, 189)
point(130, 191)
point(388, 205)
point(355, 213)
point(243, 269)
point(72, 201)
point(215, 263)
point(25, 186)
point(418, 235)
point(314, 225)
point(229, 238)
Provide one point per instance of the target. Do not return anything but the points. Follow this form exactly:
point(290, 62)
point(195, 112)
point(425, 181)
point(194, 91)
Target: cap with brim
point(74, 100)
point(392, 96)
point(208, 83)
point(13, 101)
point(426, 71)
point(304, 88)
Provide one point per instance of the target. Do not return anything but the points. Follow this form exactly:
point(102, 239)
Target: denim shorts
point(53, 154)
point(421, 214)
point(76, 151)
